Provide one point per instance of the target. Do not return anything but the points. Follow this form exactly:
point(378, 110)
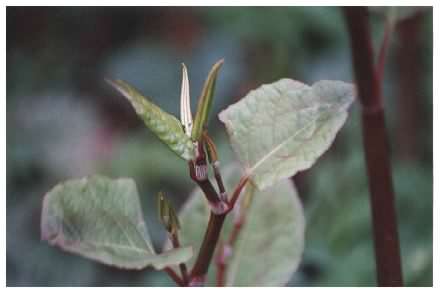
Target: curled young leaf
point(101, 219)
point(205, 102)
point(164, 125)
point(167, 214)
point(284, 127)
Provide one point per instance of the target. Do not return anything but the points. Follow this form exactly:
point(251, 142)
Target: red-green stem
point(386, 240)
point(226, 249)
point(212, 233)
point(209, 243)
point(174, 276)
point(221, 265)
point(183, 270)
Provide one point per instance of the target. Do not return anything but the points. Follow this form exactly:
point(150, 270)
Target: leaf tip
point(113, 83)
point(218, 64)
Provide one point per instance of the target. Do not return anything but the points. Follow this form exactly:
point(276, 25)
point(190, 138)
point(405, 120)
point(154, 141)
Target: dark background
point(63, 121)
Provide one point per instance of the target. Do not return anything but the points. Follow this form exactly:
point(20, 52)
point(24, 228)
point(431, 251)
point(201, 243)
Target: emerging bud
point(167, 214)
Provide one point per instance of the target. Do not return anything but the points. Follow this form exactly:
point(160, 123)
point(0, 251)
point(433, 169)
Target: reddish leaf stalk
point(386, 240)
point(226, 249)
point(221, 266)
point(213, 158)
point(174, 276)
point(183, 270)
point(223, 253)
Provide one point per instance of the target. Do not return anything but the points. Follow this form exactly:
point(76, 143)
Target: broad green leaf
point(270, 245)
point(283, 127)
point(205, 102)
point(101, 219)
point(164, 125)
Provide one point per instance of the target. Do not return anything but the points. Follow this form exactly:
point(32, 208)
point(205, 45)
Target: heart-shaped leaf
point(164, 125)
point(283, 127)
point(271, 241)
point(101, 219)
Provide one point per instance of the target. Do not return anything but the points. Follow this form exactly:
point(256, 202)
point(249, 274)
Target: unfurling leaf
point(185, 103)
point(167, 214)
point(270, 244)
point(205, 102)
point(101, 219)
point(283, 127)
point(164, 125)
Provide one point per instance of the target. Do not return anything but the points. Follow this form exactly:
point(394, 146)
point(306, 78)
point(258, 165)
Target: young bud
point(167, 214)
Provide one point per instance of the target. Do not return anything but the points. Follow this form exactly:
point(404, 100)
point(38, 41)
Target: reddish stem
point(183, 270)
point(383, 49)
point(386, 240)
point(212, 235)
point(209, 243)
point(220, 261)
point(237, 191)
point(235, 231)
point(174, 276)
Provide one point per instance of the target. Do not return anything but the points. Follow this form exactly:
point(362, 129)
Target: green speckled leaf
point(101, 219)
point(283, 127)
point(164, 125)
point(271, 242)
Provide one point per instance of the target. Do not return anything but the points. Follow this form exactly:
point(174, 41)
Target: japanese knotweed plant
point(276, 130)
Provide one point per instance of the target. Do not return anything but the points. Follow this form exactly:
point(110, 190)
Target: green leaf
point(283, 127)
point(164, 125)
point(101, 219)
point(205, 102)
point(271, 241)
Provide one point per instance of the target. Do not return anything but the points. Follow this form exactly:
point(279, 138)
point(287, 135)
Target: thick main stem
point(215, 225)
point(386, 240)
point(209, 243)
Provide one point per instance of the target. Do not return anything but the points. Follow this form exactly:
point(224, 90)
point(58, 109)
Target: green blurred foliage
point(63, 121)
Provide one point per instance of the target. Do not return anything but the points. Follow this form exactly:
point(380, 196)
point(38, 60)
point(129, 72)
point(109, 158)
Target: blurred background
point(63, 121)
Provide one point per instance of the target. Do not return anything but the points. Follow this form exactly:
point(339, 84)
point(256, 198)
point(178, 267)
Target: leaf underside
point(271, 241)
point(283, 127)
point(101, 219)
point(164, 125)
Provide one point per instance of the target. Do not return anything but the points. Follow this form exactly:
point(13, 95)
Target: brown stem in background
point(386, 240)
point(388, 29)
point(410, 76)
